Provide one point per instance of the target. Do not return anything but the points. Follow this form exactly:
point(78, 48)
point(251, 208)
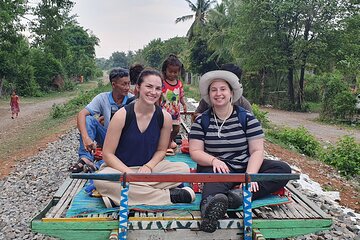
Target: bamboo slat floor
point(298, 217)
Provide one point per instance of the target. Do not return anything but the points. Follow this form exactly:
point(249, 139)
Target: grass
point(192, 91)
point(33, 133)
point(314, 106)
point(37, 130)
point(4, 101)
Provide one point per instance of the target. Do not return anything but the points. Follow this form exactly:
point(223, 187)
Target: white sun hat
point(229, 77)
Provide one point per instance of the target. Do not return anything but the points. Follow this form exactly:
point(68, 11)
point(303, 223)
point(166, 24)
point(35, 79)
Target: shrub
point(69, 85)
point(261, 116)
point(77, 103)
point(337, 102)
point(344, 105)
point(345, 156)
point(299, 139)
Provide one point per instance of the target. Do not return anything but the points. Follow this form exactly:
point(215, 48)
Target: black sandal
point(77, 167)
point(89, 168)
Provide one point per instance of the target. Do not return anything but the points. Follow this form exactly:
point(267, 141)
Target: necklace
point(222, 124)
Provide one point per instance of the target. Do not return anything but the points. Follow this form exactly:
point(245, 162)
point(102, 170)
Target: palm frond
point(184, 18)
point(191, 5)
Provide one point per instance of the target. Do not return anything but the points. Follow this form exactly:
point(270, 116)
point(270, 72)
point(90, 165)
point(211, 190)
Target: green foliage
point(118, 59)
point(261, 116)
point(200, 56)
point(192, 92)
point(69, 85)
point(313, 88)
point(299, 139)
point(345, 156)
point(26, 84)
point(338, 103)
point(200, 10)
point(77, 103)
point(153, 54)
point(157, 51)
point(46, 68)
point(313, 106)
point(344, 107)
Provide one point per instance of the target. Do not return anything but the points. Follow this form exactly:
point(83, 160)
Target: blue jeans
point(96, 132)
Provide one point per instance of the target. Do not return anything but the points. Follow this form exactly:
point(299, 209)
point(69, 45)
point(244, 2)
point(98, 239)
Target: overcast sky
point(123, 25)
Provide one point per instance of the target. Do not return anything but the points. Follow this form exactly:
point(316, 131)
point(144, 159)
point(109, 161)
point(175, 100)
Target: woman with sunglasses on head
point(139, 145)
point(225, 146)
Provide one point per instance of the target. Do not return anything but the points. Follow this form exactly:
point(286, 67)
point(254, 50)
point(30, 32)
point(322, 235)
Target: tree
point(119, 59)
point(152, 53)
point(200, 57)
point(348, 50)
point(200, 10)
point(219, 25)
point(51, 17)
point(69, 47)
point(81, 51)
point(10, 14)
point(46, 68)
point(276, 36)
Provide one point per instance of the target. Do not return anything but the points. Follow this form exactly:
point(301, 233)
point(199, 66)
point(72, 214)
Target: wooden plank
point(274, 211)
point(74, 220)
point(259, 213)
point(288, 211)
point(183, 124)
point(60, 192)
point(182, 224)
point(280, 212)
point(62, 199)
point(76, 224)
point(185, 234)
point(308, 202)
point(289, 231)
point(78, 234)
point(284, 211)
point(69, 198)
point(257, 235)
point(290, 207)
point(290, 223)
point(304, 209)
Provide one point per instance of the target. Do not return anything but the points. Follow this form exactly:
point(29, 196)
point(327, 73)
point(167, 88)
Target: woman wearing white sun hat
point(226, 147)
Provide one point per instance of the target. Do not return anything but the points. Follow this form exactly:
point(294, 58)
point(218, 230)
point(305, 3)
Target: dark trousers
point(265, 187)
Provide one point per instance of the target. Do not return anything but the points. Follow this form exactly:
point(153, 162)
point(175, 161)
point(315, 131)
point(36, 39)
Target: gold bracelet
point(148, 167)
point(212, 160)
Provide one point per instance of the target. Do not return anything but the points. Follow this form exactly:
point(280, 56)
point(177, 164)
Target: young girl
point(141, 148)
point(14, 104)
point(172, 95)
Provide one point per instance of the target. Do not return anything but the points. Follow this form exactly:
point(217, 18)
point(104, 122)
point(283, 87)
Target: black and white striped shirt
point(232, 146)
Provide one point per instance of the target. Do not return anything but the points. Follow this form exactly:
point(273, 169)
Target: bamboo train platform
point(298, 217)
point(272, 218)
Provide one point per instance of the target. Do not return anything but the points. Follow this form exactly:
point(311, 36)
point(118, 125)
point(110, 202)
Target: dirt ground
point(319, 172)
point(323, 132)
